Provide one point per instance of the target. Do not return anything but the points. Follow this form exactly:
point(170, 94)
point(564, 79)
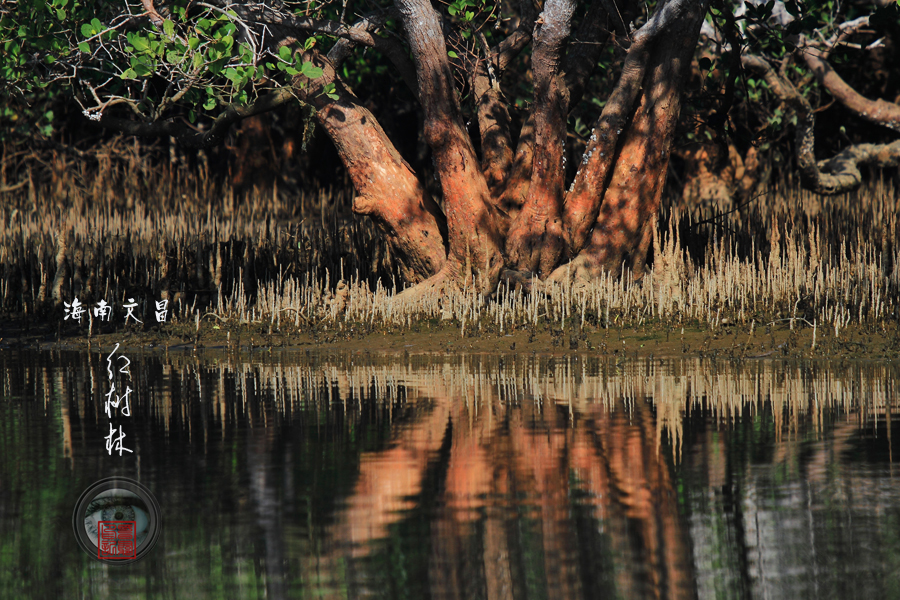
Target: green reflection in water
point(312, 476)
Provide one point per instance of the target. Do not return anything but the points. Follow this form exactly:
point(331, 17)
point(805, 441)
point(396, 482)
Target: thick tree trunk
point(387, 189)
point(630, 202)
point(474, 256)
point(535, 241)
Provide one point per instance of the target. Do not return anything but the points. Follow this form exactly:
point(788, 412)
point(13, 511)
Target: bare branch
point(259, 14)
point(876, 111)
point(155, 17)
point(390, 47)
point(839, 174)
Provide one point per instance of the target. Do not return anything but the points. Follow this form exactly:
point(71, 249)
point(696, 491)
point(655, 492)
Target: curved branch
point(843, 168)
point(876, 111)
point(259, 14)
point(834, 176)
point(389, 47)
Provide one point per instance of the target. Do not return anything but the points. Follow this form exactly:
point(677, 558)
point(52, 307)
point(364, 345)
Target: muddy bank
point(781, 339)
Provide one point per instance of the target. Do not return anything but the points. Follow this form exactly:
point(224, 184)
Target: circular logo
point(117, 521)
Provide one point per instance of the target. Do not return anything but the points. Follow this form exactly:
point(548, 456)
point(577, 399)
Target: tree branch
point(582, 204)
point(259, 14)
point(389, 47)
point(492, 111)
point(577, 67)
point(830, 177)
point(876, 111)
point(387, 189)
point(589, 41)
point(155, 17)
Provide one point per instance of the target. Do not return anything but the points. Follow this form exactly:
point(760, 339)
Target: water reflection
point(353, 476)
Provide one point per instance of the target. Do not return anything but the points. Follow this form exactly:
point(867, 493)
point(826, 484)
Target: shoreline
point(775, 340)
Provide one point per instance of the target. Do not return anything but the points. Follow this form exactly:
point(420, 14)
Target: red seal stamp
point(117, 521)
point(118, 540)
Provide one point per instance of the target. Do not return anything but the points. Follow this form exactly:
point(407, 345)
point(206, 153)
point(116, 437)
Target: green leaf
point(194, 43)
point(215, 67)
point(141, 44)
point(60, 14)
point(209, 104)
point(96, 24)
point(86, 30)
point(311, 71)
point(284, 53)
point(169, 28)
point(84, 47)
point(329, 91)
point(128, 74)
point(452, 54)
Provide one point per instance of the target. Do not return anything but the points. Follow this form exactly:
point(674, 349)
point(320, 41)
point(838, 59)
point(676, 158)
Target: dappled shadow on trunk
point(629, 202)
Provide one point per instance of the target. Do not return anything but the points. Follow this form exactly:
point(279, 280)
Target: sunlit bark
point(636, 164)
point(535, 241)
point(474, 255)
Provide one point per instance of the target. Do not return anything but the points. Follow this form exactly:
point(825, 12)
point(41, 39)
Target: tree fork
point(492, 112)
point(623, 229)
point(581, 57)
point(582, 203)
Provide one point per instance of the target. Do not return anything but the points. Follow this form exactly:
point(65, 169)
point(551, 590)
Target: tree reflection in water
point(585, 476)
point(465, 477)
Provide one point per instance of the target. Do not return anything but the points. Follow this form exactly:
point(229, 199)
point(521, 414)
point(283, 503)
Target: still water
point(356, 476)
